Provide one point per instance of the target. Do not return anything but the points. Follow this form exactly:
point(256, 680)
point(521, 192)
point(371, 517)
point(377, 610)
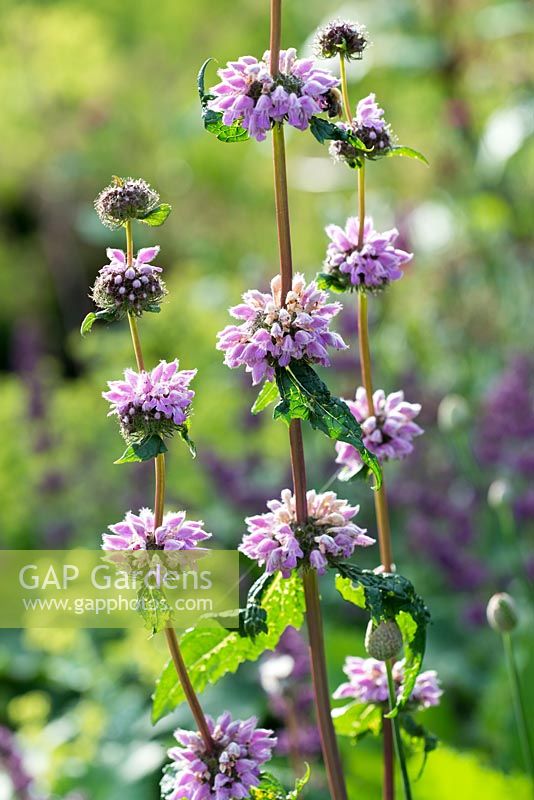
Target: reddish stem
point(331, 756)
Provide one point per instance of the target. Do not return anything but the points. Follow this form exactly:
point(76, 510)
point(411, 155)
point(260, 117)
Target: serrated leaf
point(254, 616)
point(408, 152)
point(334, 282)
point(145, 450)
point(104, 315)
point(157, 216)
point(270, 788)
point(267, 395)
point(356, 720)
point(154, 608)
point(304, 396)
point(323, 130)
point(213, 119)
point(418, 738)
point(211, 652)
point(388, 596)
point(183, 432)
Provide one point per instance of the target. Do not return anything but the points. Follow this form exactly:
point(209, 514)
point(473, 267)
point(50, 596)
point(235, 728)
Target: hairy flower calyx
point(341, 38)
point(123, 288)
point(125, 199)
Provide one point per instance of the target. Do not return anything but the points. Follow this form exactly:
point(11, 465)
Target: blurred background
point(101, 88)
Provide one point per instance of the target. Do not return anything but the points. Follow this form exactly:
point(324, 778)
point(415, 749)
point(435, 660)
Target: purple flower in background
point(226, 774)
point(11, 761)
point(369, 114)
point(158, 401)
point(368, 683)
point(374, 265)
point(387, 433)
point(136, 532)
point(120, 287)
point(506, 425)
point(248, 94)
point(278, 542)
point(285, 677)
point(275, 333)
point(427, 690)
point(369, 127)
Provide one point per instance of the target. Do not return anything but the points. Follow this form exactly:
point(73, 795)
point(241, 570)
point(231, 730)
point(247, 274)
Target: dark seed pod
point(341, 38)
point(124, 199)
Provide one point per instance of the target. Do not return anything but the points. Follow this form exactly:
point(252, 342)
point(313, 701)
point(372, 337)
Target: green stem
point(519, 707)
point(136, 341)
point(399, 749)
point(361, 204)
point(345, 88)
point(129, 242)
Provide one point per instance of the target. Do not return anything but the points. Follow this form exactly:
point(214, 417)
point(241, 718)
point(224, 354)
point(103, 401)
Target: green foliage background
point(101, 88)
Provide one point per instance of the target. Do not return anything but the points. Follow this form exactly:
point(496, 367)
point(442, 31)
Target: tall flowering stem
point(380, 496)
point(344, 88)
point(330, 750)
point(159, 507)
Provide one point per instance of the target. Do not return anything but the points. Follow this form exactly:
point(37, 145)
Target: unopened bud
point(499, 493)
point(383, 641)
point(453, 412)
point(502, 613)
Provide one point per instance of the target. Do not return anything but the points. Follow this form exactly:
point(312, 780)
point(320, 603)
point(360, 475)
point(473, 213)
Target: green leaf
point(408, 152)
point(146, 449)
point(254, 616)
point(213, 119)
point(387, 596)
point(323, 130)
point(105, 315)
point(270, 788)
point(300, 783)
point(267, 395)
point(88, 323)
point(356, 720)
point(183, 432)
point(211, 652)
point(304, 396)
point(417, 738)
point(154, 608)
point(338, 282)
point(157, 216)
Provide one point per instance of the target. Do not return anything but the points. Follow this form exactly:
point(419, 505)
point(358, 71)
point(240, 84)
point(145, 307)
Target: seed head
point(502, 613)
point(341, 38)
point(383, 641)
point(124, 199)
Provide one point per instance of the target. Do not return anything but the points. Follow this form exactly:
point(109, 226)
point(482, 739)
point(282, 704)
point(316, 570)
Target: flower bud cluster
point(125, 199)
point(137, 287)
